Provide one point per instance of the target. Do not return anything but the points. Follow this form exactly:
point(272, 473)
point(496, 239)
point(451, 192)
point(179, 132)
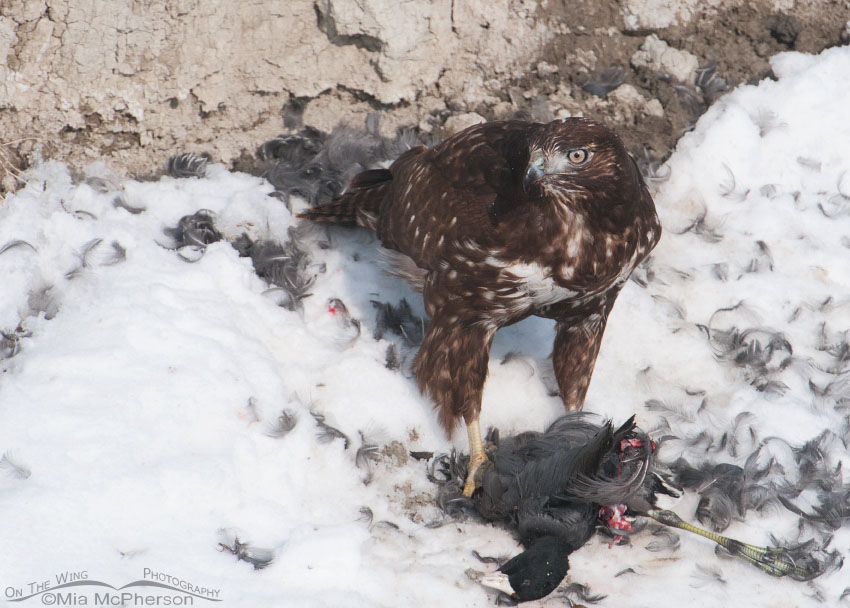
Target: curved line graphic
point(139, 583)
point(145, 583)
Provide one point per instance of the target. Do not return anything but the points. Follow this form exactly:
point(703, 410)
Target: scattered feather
point(99, 184)
point(317, 166)
point(16, 243)
point(577, 592)
point(602, 82)
point(766, 121)
point(705, 575)
point(366, 516)
point(187, 165)
point(11, 467)
point(257, 557)
point(654, 169)
point(400, 321)
point(392, 361)
point(196, 230)
point(283, 425)
point(488, 559)
point(784, 28)
point(763, 259)
point(711, 85)
point(326, 432)
point(729, 190)
point(664, 539)
point(690, 99)
point(287, 267)
point(366, 453)
point(120, 202)
point(345, 321)
point(43, 300)
point(706, 230)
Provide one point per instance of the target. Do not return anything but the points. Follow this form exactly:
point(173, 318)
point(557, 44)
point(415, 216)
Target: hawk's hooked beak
point(533, 173)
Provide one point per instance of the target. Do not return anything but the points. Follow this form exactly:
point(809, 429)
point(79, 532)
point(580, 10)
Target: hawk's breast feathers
point(512, 216)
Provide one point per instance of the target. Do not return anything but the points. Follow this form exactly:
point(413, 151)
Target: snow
point(138, 403)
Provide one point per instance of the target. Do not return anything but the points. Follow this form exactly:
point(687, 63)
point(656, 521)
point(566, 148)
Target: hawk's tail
point(341, 210)
point(359, 205)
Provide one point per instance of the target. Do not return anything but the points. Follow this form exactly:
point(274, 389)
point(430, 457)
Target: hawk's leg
point(477, 458)
point(451, 367)
point(576, 348)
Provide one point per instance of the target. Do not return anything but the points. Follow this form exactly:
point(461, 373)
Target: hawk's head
point(582, 164)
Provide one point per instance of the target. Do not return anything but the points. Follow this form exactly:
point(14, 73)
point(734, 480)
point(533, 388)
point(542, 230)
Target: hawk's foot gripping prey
point(478, 463)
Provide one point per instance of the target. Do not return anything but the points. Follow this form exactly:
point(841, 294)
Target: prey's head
point(535, 572)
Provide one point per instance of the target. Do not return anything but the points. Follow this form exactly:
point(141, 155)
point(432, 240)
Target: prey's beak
point(499, 582)
point(533, 174)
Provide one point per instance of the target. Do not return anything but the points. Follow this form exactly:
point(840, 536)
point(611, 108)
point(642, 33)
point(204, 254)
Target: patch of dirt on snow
point(418, 506)
point(396, 453)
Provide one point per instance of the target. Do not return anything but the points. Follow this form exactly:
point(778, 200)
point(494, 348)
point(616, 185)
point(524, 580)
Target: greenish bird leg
point(778, 561)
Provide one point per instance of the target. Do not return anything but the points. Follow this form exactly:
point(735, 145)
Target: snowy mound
point(169, 416)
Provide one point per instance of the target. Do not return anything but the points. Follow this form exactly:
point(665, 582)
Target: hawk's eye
point(577, 156)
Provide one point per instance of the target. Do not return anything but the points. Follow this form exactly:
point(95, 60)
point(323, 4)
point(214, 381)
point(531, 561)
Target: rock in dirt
point(658, 56)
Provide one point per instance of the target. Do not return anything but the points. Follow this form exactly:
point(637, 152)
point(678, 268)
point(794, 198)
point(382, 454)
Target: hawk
point(498, 222)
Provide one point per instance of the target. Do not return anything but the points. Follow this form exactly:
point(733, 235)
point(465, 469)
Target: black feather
point(196, 230)
point(287, 267)
point(400, 321)
point(327, 433)
point(284, 423)
point(602, 82)
point(258, 558)
point(187, 164)
point(317, 166)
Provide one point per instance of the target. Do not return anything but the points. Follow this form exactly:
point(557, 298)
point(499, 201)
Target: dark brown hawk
point(502, 221)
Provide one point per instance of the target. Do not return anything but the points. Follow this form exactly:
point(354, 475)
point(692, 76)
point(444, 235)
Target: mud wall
point(133, 82)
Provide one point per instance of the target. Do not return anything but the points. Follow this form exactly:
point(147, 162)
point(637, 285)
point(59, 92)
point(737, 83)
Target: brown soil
point(732, 45)
point(733, 41)
point(736, 42)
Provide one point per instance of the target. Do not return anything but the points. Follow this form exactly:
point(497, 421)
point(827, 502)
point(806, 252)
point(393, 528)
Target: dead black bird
point(555, 488)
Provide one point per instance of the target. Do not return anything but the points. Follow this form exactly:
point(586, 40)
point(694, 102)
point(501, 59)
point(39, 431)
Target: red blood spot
point(332, 310)
point(613, 517)
point(630, 443)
